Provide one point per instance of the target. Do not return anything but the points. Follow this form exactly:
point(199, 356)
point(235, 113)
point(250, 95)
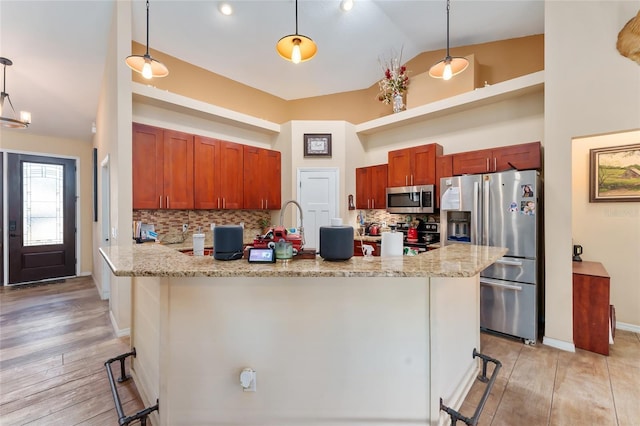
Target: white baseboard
point(627, 327)
point(558, 344)
point(119, 332)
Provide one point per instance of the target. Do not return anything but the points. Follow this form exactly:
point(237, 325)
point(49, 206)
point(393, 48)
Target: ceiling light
point(448, 67)
point(346, 5)
point(225, 9)
point(8, 118)
point(295, 47)
point(145, 64)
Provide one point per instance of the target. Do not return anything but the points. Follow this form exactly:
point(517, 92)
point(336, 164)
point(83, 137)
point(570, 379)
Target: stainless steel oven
point(411, 199)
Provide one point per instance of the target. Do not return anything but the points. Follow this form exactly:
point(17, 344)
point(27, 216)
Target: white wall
point(603, 228)
point(589, 89)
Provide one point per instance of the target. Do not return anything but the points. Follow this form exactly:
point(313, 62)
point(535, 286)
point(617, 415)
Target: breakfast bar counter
point(370, 340)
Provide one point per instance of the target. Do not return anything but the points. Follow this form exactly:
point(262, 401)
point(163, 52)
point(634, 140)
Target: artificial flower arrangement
point(395, 80)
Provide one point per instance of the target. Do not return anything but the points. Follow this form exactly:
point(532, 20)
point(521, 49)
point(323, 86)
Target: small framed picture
point(614, 174)
point(317, 145)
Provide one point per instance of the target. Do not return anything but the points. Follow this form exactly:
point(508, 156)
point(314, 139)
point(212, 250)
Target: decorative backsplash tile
point(168, 223)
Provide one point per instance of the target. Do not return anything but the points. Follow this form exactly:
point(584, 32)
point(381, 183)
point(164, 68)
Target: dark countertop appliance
point(411, 199)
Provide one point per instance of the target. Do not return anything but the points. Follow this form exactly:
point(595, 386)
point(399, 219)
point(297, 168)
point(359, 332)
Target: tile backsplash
point(168, 223)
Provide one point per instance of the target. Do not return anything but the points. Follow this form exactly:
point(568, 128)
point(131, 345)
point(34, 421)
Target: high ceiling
point(59, 47)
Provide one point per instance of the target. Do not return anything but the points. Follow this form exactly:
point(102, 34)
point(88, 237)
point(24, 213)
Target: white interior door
point(318, 196)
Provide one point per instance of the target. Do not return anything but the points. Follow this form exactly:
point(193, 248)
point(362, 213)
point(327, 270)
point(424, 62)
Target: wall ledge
point(509, 89)
point(173, 102)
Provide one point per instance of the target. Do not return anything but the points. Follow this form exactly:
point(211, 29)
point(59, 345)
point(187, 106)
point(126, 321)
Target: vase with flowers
point(394, 84)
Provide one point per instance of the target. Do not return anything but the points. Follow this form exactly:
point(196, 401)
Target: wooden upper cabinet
point(371, 186)
point(472, 162)
point(147, 173)
point(231, 176)
point(178, 170)
point(413, 166)
point(206, 172)
point(444, 168)
point(522, 157)
point(162, 174)
point(218, 174)
point(526, 156)
point(262, 179)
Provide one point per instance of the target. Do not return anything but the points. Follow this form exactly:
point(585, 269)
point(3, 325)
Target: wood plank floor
point(54, 339)
point(540, 385)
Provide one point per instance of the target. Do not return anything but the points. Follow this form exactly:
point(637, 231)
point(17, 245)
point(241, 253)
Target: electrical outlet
point(185, 227)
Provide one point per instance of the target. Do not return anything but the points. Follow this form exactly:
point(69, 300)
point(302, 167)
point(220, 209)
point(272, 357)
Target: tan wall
point(497, 61)
point(26, 142)
point(608, 232)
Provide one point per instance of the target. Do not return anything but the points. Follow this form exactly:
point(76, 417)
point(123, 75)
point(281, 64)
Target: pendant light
point(295, 47)
point(145, 64)
point(6, 119)
point(448, 67)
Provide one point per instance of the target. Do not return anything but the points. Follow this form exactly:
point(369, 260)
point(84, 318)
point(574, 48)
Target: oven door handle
point(500, 284)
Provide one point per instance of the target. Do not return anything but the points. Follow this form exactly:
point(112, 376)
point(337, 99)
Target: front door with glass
point(42, 217)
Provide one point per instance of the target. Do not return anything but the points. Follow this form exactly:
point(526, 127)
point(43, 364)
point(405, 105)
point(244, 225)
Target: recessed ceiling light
point(225, 9)
point(346, 5)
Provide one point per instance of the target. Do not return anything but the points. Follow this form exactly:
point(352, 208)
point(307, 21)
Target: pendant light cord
point(296, 17)
point(448, 7)
point(148, 28)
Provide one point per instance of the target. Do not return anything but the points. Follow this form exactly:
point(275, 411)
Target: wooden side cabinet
point(593, 317)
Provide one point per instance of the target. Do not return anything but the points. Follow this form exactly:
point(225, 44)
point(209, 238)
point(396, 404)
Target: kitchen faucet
point(301, 228)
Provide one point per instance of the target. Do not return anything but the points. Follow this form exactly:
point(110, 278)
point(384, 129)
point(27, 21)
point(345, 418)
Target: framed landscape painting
point(614, 173)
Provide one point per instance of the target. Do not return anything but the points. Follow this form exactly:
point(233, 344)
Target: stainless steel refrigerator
point(500, 209)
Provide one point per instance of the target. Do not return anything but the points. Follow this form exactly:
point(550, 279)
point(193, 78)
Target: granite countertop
point(157, 260)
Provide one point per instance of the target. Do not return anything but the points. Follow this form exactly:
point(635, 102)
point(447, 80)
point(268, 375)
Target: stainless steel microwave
point(411, 199)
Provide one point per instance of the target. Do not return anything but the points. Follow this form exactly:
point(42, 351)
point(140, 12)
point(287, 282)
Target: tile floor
point(541, 385)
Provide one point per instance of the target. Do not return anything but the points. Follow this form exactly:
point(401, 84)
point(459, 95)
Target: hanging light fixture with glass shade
point(296, 47)
point(8, 117)
point(449, 66)
point(145, 64)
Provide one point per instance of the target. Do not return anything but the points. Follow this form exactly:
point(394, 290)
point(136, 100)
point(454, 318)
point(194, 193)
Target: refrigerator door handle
point(500, 284)
point(509, 262)
point(485, 212)
point(474, 218)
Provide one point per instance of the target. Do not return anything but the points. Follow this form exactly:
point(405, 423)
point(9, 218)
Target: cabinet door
point(254, 169)
point(273, 180)
point(379, 177)
point(423, 164)
point(363, 188)
point(147, 173)
point(472, 162)
point(399, 167)
point(178, 170)
point(262, 179)
point(231, 175)
point(522, 157)
point(206, 171)
point(444, 168)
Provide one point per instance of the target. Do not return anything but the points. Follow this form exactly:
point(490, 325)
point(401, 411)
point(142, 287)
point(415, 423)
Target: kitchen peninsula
point(364, 341)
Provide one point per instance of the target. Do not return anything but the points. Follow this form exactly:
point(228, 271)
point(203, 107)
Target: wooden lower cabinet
point(357, 248)
point(593, 316)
